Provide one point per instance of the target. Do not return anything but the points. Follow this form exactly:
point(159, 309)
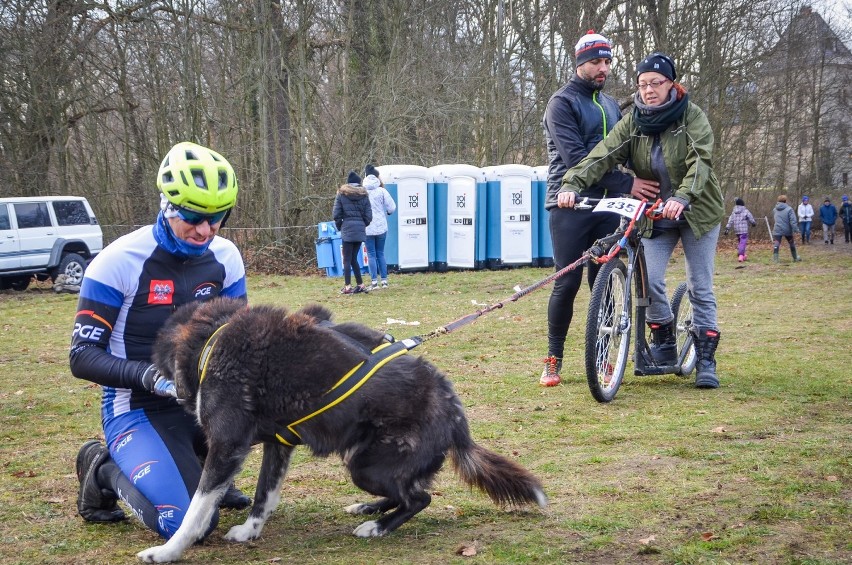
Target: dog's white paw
point(357, 509)
point(158, 554)
point(368, 530)
point(243, 532)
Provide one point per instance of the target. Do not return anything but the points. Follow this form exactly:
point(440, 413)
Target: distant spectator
point(828, 217)
point(352, 214)
point(740, 220)
point(846, 216)
point(785, 226)
point(383, 206)
point(806, 216)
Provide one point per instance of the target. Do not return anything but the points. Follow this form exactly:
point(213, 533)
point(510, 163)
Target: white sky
point(835, 11)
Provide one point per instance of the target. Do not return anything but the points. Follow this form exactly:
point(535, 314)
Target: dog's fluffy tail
point(503, 480)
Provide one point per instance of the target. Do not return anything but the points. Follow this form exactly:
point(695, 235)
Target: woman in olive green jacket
point(668, 139)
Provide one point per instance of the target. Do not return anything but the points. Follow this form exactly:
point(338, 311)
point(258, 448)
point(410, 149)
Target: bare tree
point(296, 92)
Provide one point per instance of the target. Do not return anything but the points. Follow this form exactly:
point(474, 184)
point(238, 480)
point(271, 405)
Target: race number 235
point(623, 206)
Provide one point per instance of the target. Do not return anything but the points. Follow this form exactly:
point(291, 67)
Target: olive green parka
point(687, 146)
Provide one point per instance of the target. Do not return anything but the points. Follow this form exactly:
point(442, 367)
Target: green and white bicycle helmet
point(197, 178)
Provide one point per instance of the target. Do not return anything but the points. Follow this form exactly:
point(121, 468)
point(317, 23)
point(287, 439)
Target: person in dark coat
point(785, 227)
point(576, 118)
point(846, 215)
point(352, 214)
point(828, 216)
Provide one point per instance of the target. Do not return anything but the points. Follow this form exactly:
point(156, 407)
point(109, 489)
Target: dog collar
point(204, 358)
point(349, 383)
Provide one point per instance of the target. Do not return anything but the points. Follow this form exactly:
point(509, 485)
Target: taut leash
point(601, 251)
point(465, 320)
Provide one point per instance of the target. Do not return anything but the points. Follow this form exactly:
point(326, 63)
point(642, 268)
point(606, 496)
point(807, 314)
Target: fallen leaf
point(468, 549)
point(707, 536)
point(648, 540)
point(831, 479)
point(24, 474)
point(719, 430)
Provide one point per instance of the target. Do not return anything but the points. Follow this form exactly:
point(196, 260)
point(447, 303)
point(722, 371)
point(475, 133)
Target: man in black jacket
point(577, 117)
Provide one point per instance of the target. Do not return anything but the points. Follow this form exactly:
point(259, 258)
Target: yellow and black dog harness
point(346, 386)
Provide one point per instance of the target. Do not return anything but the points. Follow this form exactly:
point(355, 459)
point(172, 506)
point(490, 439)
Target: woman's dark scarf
point(652, 120)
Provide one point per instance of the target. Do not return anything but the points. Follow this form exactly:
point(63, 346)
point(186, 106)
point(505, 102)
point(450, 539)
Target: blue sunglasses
point(196, 218)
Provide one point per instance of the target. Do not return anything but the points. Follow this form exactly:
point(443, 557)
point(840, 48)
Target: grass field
point(757, 471)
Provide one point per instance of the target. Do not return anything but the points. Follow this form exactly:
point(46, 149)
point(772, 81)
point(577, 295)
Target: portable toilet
point(509, 215)
point(459, 217)
point(543, 244)
point(330, 251)
point(407, 243)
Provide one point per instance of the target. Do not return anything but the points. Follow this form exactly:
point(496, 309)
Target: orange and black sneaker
point(607, 374)
point(550, 374)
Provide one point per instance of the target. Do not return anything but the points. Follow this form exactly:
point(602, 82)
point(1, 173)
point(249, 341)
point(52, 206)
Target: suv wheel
point(72, 266)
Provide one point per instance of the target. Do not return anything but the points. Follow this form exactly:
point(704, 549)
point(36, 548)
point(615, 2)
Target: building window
point(845, 179)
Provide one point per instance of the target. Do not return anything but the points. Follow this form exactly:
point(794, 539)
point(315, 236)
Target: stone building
point(800, 131)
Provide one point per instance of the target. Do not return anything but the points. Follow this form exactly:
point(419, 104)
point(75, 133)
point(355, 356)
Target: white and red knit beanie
point(592, 46)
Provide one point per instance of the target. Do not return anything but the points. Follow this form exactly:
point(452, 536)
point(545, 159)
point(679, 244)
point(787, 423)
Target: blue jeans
point(700, 263)
point(376, 255)
point(805, 228)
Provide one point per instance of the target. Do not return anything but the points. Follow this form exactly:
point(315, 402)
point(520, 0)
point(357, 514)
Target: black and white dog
point(262, 374)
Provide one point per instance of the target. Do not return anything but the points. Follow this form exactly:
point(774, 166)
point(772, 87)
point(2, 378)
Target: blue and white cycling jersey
point(128, 292)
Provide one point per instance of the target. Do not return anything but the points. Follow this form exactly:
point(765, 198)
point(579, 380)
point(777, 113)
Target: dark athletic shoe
point(95, 504)
point(234, 498)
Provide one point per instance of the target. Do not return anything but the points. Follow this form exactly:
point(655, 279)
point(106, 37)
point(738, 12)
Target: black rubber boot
point(706, 341)
point(663, 343)
point(234, 498)
point(795, 254)
point(94, 503)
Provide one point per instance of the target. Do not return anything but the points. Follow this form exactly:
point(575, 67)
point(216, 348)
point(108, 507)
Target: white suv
point(46, 236)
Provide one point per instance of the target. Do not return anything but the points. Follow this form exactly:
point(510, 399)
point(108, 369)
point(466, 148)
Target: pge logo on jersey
point(90, 332)
point(204, 291)
point(161, 292)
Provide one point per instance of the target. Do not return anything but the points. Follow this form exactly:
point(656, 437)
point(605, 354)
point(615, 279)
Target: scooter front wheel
point(608, 329)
